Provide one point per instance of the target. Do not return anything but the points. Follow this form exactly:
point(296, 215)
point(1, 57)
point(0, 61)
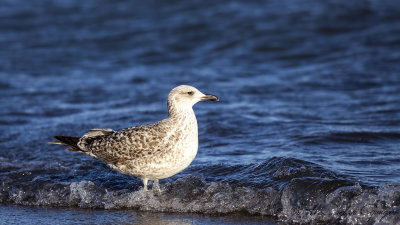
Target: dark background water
point(307, 88)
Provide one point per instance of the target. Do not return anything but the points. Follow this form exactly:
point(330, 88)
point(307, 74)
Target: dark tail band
point(71, 141)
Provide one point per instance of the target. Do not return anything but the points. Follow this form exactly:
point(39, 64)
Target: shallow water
point(307, 128)
point(44, 216)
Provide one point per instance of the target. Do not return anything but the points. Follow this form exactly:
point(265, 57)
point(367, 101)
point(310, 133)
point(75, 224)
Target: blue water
point(307, 129)
point(50, 216)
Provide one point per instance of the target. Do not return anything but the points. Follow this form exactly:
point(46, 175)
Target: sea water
point(307, 129)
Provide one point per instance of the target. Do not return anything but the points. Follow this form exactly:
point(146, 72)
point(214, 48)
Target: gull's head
point(186, 95)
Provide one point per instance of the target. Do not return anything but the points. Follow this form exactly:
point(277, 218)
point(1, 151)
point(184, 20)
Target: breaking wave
point(289, 189)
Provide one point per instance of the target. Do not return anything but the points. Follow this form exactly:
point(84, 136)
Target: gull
point(151, 151)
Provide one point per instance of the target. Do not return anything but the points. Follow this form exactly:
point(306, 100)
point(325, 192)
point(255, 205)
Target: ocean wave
point(350, 137)
point(288, 189)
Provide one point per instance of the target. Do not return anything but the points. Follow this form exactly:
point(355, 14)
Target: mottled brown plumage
point(152, 151)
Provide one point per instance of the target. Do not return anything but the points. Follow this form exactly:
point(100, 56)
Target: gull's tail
point(69, 141)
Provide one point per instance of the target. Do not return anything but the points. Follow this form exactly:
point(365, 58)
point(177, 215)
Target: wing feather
point(128, 144)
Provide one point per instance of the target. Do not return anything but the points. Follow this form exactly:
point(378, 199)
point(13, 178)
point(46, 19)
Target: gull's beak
point(209, 97)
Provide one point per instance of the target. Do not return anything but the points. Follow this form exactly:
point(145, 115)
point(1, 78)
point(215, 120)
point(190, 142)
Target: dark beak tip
point(211, 98)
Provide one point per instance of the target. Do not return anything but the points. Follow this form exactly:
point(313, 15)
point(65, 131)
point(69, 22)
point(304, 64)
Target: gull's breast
point(182, 152)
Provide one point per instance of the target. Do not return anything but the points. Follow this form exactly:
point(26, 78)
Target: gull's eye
point(190, 93)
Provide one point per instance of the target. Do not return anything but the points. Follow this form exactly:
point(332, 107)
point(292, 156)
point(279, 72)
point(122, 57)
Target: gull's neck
point(180, 111)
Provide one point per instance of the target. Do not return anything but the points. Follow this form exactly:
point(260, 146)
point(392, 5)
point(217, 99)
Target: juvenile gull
point(151, 151)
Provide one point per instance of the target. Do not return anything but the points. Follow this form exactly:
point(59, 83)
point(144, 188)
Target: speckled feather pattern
point(152, 151)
